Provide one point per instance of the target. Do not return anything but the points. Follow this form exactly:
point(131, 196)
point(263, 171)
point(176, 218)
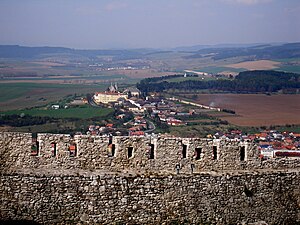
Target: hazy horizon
point(219, 45)
point(107, 24)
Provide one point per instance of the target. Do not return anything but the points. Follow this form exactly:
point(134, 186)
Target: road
point(151, 126)
point(92, 102)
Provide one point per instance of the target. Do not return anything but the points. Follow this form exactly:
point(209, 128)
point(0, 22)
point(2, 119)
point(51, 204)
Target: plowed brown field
point(256, 109)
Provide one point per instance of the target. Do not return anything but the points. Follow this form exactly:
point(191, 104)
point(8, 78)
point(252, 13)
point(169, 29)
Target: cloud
point(247, 2)
point(115, 6)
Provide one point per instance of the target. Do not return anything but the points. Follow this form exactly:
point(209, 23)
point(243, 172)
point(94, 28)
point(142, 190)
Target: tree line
point(23, 120)
point(246, 82)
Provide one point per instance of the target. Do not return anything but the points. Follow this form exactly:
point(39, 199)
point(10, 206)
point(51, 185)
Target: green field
point(27, 95)
point(294, 66)
point(292, 128)
point(15, 90)
point(180, 79)
point(292, 69)
point(8, 92)
point(287, 60)
point(219, 69)
point(80, 112)
point(95, 77)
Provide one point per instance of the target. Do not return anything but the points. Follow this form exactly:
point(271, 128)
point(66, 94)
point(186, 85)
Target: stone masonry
point(95, 153)
point(143, 180)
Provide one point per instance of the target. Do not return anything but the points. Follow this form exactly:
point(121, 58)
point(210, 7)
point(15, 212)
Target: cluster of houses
point(160, 108)
point(134, 127)
point(109, 66)
point(166, 110)
point(107, 130)
point(272, 144)
point(129, 100)
point(138, 126)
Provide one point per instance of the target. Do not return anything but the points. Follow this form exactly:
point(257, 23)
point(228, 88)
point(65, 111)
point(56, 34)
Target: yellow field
point(256, 65)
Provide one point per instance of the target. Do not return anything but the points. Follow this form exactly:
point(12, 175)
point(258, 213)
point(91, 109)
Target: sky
point(104, 24)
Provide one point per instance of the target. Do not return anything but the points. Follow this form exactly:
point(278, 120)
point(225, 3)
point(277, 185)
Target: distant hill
point(218, 46)
point(16, 51)
point(22, 52)
point(222, 51)
point(291, 50)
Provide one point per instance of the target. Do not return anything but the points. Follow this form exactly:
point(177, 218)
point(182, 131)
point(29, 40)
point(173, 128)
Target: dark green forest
point(23, 120)
point(258, 81)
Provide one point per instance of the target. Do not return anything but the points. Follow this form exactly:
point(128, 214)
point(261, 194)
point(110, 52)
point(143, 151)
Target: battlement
point(135, 154)
point(60, 179)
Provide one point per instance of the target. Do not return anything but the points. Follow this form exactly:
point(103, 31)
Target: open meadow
point(256, 109)
point(26, 95)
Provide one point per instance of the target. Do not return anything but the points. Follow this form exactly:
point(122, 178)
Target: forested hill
point(22, 52)
point(290, 50)
point(246, 82)
point(217, 52)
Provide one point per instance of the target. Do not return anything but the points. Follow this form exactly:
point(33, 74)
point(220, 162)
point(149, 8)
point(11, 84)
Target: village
point(136, 112)
point(140, 117)
point(271, 143)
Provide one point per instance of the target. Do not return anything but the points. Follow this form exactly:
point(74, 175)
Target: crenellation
point(157, 182)
point(133, 154)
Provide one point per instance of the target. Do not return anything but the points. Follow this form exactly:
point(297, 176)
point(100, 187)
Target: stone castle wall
point(94, 198)
point(148, 154)
point(133, 180)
